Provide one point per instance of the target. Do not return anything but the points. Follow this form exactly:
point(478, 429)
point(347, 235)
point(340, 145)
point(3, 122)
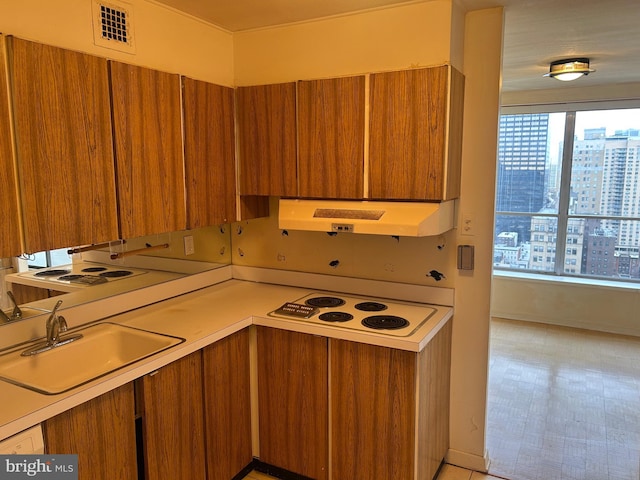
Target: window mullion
point(565, 191)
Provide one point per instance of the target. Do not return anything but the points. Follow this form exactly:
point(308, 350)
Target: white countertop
point(201, 317)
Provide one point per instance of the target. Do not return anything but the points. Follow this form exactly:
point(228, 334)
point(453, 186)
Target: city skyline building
point(522, 166)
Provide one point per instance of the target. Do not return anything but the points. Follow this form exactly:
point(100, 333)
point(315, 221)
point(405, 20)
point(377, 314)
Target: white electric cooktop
point(374, 315)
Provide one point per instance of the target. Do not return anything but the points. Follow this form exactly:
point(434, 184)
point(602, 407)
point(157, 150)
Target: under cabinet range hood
point(371, 217)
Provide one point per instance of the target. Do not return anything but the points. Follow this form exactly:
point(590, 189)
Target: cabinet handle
point(115, 256)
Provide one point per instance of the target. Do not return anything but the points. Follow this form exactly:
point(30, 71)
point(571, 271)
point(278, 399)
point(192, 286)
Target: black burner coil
point(325, 302)
point(336, 317)
point(385, 322)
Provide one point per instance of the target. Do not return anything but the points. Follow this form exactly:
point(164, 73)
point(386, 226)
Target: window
point(583, 192)
point(49, 258)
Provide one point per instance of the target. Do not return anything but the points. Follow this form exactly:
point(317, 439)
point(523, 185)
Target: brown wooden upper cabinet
point(63, 146)
point(209, 147)
point(10, 234)
point(415, 134)
point(331, 121)
point(148, 145)
point(267, 139)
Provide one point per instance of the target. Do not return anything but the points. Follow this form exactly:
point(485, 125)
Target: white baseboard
point(467, 460)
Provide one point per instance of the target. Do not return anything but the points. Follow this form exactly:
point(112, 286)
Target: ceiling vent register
point(113, 26)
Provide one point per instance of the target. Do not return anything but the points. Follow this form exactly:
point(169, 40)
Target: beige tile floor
point(564, 404)
point(448, 472)
point(257, 476)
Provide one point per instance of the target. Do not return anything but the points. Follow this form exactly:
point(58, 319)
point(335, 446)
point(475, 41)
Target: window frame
point(563, 216)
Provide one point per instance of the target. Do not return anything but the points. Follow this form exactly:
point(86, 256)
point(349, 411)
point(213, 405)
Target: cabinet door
point(209, 149)
point(331, 138)
point(408, 142)
point(148, 144)
point(434, 366)
point(172, 420)
point(373, 408)
point(292, 398)
point(227, 406)
point(10, 234)
point(64, 146)
point(267, 139)
point(102, 433)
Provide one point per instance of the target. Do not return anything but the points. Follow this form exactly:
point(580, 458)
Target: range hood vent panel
point(350, 213)
point(407, 219)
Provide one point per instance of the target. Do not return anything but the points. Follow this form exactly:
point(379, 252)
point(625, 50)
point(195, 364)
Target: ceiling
point(536, 32)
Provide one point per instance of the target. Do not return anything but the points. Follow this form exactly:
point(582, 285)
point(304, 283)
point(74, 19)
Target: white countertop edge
point(42, 282)
point(360, 286)
point(412, 343)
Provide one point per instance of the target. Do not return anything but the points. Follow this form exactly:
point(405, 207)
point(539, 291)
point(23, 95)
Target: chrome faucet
point(55, 326)
point(16, 314)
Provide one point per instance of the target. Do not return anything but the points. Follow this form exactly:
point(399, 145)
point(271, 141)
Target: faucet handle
point(52, 314)
point(62, 324)
point(53, 325)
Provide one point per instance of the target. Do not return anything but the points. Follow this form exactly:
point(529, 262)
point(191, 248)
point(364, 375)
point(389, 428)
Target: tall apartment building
point(606, 174)
point(522, 164)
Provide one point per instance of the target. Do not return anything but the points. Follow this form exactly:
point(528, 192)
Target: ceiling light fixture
point(569, 69)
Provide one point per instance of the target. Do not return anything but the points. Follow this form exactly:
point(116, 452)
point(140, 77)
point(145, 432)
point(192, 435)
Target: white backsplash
point(260, 243)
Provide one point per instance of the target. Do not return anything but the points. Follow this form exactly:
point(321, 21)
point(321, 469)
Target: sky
point(613, 120)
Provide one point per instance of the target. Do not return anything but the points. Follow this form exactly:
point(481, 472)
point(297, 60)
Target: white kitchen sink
point(103, 348)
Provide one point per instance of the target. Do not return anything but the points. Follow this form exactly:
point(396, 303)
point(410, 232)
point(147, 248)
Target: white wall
point(386, 39)
point(164, 39)
point(601, 307)
point(621, 91)
point(470, 353)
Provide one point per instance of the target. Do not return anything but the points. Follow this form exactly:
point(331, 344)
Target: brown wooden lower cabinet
point(292, 399)
point(373, 401)
point(27, 293)
point(380, 398)
point(101, 432)
point(227, 406)
point(196, 414)
point(388, 408)
point(170, 402)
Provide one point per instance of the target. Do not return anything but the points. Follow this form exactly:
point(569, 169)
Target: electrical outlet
point(189, 247)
